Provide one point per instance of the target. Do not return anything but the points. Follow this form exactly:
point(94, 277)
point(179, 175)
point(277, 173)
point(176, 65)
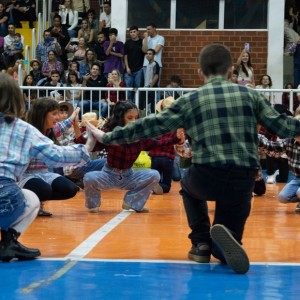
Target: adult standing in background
point(4, 16)
point(133, 59)
point(82, 6)
point(152, 40)
point(99, 50)
point(24, 11)
point(69, 17)
point(62, 36)
point(105, 18)
point(245, 69)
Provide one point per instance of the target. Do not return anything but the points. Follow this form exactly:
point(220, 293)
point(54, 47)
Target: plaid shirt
point(275, 149)
point(26, 142)
point(220, 118)
point(123, 156)
point(166, 150)
point(59, 128)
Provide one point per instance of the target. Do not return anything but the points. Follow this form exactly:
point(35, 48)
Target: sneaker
point(157, 190)
point(42, 212)
point(271, 179)
point(200, 253)
point(297, 209)
point(127, 207)
point(233, 252)
point(94, 210)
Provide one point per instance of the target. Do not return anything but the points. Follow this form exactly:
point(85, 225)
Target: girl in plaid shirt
point(48, 185)
point(20, 142)
point(117, 173)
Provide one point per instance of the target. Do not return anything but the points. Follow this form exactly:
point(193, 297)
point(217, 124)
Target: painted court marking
point(79, 252)
point(86, 246)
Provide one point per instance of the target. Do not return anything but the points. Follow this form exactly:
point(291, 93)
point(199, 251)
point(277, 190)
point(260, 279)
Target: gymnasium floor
point(117, 254)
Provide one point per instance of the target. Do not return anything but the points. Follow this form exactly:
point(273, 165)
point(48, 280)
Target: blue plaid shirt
point(20, 142)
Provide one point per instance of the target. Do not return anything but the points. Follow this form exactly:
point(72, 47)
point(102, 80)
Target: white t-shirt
point(152, 43)
point(104, 16)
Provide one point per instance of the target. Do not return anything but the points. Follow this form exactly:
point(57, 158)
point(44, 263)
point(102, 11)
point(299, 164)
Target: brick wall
point(95, 6)
point(182, 49)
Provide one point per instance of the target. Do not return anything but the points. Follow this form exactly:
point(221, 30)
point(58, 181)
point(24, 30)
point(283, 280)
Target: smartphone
point(247, 46)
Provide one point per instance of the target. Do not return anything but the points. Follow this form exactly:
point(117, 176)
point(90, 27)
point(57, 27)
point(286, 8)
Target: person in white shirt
point(13, 56)
point(69, 17)
point(152, 40)
point(105, 18)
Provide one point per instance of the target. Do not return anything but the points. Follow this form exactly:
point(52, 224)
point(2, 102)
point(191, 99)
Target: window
point(246, 14)
point(202, 14)
point(197, 14)
point(142, 12)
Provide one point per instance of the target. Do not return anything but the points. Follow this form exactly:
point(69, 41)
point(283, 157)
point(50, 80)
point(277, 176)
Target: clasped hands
point(93, 135)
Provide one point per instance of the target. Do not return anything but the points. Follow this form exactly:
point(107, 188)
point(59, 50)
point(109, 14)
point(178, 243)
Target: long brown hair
point(38, 113)
point(11, 99)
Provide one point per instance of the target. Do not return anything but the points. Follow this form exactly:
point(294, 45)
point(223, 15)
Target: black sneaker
point(297, 209)
point(234, 254)
point(44, 213)
point(200, 253)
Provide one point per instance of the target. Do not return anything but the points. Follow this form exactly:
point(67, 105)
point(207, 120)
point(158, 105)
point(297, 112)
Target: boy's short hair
point(113, 31)
point(152, 50)
point(133, 27)
point(54, 72)
point(215, 59)
point(17, 34)
point(107, 2)
point(153, 25)
point(177, 79)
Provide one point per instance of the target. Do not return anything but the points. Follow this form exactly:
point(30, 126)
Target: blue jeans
point(94, 105)
point(291, 191)
point(164, 165)
point(3, 29)
point(231, 188)
point(93, 165)
point(12, 202)
point(138, 183)
point(134, 80)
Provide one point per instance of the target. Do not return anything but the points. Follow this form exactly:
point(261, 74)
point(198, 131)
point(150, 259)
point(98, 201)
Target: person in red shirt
point(117, 173)
point(162, 157)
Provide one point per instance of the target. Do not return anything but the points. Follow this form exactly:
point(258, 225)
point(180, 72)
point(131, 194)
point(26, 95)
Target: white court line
point(86, 246)
point(164, 261)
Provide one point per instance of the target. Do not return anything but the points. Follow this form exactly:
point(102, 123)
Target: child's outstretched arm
point(91, 140)
point(97, 133)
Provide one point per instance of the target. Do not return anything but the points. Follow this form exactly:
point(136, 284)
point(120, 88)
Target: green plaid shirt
point(220, 118)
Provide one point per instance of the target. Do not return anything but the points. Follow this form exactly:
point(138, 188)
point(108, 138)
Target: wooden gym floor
point(117, 254)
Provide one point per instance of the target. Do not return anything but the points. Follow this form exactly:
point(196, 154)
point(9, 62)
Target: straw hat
point(164, 103)
point(69, 105)
point(92, 118)
point(35, 60)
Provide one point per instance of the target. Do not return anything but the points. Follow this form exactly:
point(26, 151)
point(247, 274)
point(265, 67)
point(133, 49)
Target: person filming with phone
point(244, 67)
point(49, 43)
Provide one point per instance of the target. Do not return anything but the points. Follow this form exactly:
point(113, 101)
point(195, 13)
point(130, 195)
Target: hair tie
point(5, 119)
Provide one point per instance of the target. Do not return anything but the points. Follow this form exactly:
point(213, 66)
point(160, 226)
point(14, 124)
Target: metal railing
point(143, 94)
